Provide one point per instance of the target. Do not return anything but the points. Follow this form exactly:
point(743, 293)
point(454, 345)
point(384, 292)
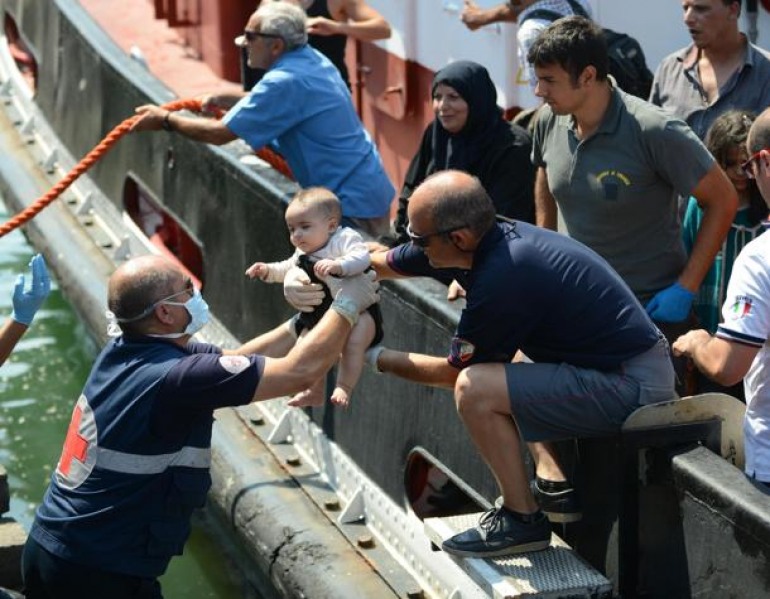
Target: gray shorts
point(560, 401)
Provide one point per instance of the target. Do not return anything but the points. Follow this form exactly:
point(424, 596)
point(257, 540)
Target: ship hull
point(233, 207)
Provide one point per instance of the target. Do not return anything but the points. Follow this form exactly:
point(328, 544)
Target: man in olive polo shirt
point(614, 164)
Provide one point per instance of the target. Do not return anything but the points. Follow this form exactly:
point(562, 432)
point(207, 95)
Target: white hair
point(285, 20)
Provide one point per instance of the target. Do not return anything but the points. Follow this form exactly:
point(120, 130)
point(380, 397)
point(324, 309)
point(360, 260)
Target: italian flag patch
point(741, 307)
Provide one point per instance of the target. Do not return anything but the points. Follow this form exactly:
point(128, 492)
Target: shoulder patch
point(234, 364)
point(741, 307)
point(462, 350)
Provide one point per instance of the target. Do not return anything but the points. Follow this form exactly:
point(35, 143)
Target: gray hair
point(285, 20)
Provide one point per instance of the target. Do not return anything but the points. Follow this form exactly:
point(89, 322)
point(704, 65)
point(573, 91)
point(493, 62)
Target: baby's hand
point(258, 270)
point(455, 291)
point(327, 267)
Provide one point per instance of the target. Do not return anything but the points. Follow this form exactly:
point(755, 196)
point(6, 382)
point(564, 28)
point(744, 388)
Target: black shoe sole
point(515, 550)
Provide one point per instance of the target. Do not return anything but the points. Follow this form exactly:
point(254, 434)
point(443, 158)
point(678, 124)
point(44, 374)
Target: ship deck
point(167, 55)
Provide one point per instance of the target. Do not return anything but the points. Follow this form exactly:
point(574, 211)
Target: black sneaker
point(560, 506)
point(499, 533)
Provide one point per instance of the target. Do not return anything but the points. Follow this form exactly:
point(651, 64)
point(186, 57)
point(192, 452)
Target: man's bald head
point(454, 199)
point(758, 146)
point(759, 134)
point(138, 284)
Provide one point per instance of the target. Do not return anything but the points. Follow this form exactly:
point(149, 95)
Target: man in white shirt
point(740, 348)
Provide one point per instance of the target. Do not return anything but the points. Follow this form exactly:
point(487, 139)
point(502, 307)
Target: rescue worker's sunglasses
point(748, 166)
point(189, 288)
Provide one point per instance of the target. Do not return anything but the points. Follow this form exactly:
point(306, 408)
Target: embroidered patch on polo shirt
point(234, 364)
point(741, 307)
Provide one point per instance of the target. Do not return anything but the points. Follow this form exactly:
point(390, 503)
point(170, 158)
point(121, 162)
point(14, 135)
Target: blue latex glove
point(26, 303)
point(672, 304)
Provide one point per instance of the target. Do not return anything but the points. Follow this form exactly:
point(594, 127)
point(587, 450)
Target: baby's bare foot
point(340, 397)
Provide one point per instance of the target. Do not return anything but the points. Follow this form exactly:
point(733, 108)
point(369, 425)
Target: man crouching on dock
point(136, 459)
point(596, 354)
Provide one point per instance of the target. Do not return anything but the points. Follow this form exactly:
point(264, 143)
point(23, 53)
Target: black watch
point(166, 124)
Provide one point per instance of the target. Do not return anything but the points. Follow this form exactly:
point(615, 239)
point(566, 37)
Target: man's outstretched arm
point(433, 371)
point(210, 131)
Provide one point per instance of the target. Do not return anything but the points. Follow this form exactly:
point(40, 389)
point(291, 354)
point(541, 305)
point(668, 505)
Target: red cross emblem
point(75, 445)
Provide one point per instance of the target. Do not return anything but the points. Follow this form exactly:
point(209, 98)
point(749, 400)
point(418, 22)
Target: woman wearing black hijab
point(470, 134)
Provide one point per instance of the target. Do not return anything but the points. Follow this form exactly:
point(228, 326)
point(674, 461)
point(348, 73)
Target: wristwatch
point(166, 124)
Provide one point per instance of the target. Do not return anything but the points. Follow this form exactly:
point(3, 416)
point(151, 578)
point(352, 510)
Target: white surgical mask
point(198, 310)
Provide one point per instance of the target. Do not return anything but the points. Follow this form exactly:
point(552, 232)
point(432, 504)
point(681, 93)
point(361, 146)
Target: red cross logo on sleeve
point(75, 445)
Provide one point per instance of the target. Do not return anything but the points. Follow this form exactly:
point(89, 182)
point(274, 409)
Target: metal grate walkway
point(557, 572)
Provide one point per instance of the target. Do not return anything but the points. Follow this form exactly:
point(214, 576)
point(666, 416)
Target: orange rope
point(272, 158)
point(277, 161)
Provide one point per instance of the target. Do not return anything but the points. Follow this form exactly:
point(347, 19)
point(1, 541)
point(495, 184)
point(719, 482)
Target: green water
point(38, 387)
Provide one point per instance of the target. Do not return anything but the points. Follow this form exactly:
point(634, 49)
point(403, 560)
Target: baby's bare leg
point(352, 359)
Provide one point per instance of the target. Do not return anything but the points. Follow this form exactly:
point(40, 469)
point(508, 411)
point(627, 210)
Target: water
point(38, 386)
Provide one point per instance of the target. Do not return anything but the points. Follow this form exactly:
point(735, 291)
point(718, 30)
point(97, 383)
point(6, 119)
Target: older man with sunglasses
point(302, 108)
point(597, 355)
point(739, 350)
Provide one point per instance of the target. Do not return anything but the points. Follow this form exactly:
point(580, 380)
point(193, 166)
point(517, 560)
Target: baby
point(325, 251)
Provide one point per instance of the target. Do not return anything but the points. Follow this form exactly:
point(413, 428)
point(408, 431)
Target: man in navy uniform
point(135, 463)
point(596, 354)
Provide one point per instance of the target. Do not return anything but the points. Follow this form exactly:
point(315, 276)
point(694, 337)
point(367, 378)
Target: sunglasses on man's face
point(748, 166)
point(251, 36)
